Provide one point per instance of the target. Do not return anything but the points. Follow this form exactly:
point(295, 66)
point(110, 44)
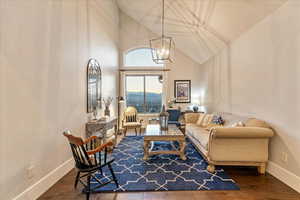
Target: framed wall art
point(182, 91)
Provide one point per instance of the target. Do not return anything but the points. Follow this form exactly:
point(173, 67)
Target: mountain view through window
point(144, 92)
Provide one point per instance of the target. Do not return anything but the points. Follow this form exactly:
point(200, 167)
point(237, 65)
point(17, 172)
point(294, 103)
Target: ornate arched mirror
point(94, 85)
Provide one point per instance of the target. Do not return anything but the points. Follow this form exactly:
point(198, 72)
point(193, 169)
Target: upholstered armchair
point(130, 120)
point(174, 115)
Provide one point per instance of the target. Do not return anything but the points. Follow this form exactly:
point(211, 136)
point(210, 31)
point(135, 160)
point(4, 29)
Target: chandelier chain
point(163, 18)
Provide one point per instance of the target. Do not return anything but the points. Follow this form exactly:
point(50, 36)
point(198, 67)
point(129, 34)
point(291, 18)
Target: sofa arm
point(242, 132)
point(191, 118)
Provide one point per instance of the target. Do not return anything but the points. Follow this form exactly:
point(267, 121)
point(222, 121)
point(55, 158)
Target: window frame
point(144, 75)
point(158, 66)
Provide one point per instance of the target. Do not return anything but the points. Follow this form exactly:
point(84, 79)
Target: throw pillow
point(238, 124)
point(217, 119)
point(199, 121)
point(206, 120)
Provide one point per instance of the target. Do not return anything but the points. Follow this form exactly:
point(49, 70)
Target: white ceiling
point(200, 28)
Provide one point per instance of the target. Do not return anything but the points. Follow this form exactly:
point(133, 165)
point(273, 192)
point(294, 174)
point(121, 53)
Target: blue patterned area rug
point(161, 172)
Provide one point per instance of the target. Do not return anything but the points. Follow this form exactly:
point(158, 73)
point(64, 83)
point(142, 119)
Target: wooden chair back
point(130, 114)
point(80, 152)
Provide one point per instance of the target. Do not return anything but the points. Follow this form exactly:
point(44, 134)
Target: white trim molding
point(290, 179)
point(41, 186)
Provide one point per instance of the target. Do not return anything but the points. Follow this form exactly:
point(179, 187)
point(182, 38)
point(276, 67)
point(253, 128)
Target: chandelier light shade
point(162, 48)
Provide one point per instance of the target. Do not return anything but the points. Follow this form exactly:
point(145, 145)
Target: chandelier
point(162, 48)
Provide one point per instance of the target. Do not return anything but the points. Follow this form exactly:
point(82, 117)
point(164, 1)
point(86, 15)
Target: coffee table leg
point(182, 149)
point(146, 150)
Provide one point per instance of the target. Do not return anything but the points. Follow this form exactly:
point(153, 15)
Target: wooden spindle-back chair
point(130, 120)
point(90, 158)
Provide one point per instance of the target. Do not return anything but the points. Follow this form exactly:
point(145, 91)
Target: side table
point(101, 128)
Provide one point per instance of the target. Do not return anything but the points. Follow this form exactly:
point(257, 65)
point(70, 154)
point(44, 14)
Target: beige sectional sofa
point(240, 141)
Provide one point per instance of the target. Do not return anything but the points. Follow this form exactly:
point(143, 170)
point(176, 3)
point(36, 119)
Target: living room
point(85, 71)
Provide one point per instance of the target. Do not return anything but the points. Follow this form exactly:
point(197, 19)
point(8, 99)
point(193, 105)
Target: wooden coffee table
point(153, 133)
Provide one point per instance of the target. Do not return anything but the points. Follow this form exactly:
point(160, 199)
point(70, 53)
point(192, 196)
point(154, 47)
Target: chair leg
point(88, 179)
point(140, 130)
point(125, 131)
point(113, 175)
point(135, 131)
point(77, 179)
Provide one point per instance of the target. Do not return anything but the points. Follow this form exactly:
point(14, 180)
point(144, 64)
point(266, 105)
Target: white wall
point(133, 35)
point(44, 49)
point(263, 81)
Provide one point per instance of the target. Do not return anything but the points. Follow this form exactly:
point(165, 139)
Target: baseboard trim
point(284, 175)
point(41, 186)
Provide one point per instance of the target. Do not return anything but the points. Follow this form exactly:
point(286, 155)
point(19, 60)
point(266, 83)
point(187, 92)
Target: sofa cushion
point(199, 134)
point(209, 126)
point(252, 122)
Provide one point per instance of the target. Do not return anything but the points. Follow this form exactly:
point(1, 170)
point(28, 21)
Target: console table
point(101, 127)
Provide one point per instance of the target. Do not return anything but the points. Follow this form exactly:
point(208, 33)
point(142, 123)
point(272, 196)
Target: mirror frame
point(94, 85)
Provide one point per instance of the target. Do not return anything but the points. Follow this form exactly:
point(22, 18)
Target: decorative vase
point(107, 111)
point(195, 108)
point(95, 113)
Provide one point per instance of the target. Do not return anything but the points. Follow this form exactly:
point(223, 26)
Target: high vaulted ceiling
point(200, 28)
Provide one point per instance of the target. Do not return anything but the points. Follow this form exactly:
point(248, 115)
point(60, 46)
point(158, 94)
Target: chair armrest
point(89, 139)
point(242, 132)
point(141, 120)
point(100, 148)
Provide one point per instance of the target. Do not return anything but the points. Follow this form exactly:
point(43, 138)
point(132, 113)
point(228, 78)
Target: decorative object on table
point(94, 85)
point(120, 100)
point(182, 91)
point(130, 120)
point(107, 103)
point(95, 113)
point(162, 172)
point(196, 104)
point(171, 102)
point(162, 48)
point(195, 108)
point(91, 158)
point(163, 119)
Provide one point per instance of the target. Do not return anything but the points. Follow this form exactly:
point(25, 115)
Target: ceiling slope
point(200, 28)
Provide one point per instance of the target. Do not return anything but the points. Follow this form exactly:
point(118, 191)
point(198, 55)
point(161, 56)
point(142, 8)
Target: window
point(140, 57)
point(144, 92)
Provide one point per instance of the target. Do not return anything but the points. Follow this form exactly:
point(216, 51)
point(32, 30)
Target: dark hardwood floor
point(253, 187)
